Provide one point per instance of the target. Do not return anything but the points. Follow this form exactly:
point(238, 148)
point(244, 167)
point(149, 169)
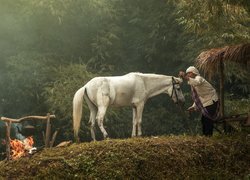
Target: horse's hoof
point(106, 137)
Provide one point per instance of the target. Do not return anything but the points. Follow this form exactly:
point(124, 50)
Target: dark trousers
point(207, 123)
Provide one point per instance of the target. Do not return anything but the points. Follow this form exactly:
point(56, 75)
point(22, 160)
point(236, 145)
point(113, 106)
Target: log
point(64, 144)
point(238, 117)
point(26, 118)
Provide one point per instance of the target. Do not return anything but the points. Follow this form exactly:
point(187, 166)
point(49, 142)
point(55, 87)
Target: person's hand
point(191, 109)
point(181, 74)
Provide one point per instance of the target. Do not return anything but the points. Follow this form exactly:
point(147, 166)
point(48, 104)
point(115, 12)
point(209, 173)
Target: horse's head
point(175, 91)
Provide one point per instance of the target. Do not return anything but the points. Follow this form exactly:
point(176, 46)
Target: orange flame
point(19, 148)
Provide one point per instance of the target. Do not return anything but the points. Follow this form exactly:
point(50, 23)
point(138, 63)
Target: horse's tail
point(77, 111)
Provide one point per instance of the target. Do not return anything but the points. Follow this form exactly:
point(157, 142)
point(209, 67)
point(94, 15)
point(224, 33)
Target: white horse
point(132, 89)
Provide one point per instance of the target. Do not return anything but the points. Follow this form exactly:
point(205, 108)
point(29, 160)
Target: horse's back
point(122, 90)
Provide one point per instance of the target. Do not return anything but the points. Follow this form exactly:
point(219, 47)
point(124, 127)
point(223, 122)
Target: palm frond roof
point(209, 61)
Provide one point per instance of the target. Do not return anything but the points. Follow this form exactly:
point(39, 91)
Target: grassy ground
point(166, 157)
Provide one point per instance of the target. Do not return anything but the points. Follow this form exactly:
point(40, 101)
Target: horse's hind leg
point(92, 117)
point(100, 116)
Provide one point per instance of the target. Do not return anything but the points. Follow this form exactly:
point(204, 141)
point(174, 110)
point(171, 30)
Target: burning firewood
point(21, 148)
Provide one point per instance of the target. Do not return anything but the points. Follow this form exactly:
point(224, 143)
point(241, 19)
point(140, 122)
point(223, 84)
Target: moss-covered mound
point(170, 157)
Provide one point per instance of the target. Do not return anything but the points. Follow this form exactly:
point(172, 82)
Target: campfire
point(21, 148)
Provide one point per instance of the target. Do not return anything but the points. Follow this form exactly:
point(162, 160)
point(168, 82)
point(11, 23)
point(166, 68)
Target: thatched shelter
point(212, 62)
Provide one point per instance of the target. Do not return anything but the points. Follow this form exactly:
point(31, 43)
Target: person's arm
point(195, 81)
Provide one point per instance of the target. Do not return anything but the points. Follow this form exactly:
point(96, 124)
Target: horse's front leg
point(134, 123)
point(139, 111)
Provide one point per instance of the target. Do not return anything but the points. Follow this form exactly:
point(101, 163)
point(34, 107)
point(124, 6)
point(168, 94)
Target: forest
point(51, 48)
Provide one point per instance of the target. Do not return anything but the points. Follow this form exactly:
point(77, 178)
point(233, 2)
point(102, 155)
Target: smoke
point(18, 128)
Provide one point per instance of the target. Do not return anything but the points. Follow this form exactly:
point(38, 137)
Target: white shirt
point(205, 90)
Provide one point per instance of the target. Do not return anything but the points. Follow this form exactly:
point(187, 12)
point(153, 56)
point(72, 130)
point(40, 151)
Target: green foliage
point(155, 40)
point(237, 106)
point(24, 80)
point(238, 81)
point(216, 22)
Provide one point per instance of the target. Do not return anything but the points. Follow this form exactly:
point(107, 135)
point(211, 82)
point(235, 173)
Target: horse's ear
point(179, 80)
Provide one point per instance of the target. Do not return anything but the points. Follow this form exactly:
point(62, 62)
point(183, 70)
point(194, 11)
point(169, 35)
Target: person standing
point(205, 99)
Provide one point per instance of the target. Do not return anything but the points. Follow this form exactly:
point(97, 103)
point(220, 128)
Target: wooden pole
point(53, 139)
point(226, 127)
point(8, 127)
point(48, 132)
point(222, 77)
